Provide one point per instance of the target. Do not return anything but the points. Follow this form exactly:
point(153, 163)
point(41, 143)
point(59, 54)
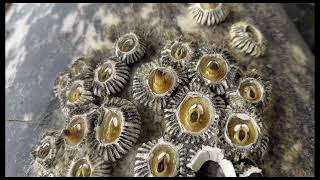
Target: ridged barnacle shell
point(117, 129)
point(82, 67)
point(110, 77)
point(199, 155)
point(248, 39)
point(61, 83)
point(161, 158)
point(192, 114)
point(88, 165)
point(153, 84)
point(130, 47)
point(209, 13)
point(214, 67)
point(242, 133)
point(247, 168)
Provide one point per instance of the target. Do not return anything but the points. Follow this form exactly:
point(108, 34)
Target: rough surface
point(41, 41)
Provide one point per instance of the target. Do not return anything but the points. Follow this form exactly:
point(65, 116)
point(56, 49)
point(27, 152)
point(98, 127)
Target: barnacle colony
point(209, 13)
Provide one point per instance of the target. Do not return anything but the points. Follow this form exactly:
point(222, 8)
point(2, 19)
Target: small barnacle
point(153, 84)
point(117, 129)
point(61, 83)
point(88, 165)
point(248, 39)
point(82, 67)
point(192, 114)
point(209, 13)
point(130, 47)
point(247, 168)
point(215, 68)
point(159, 158)
point(110, 77)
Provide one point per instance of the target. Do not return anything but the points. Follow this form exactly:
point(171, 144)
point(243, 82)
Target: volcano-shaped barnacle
point(61, 83)
point(88, 165)
point(192, 114)
point(117, 129)
point(209, 13)
point(215, 68)
point(248, 39)
point(159, 158)
point(110, 77)
point(82, 67)
point(130, 47)
point(153, 84)
point(247, 168)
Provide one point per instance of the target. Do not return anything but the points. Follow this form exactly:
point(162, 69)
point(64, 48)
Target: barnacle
point(215, 68)
point(209, 13)
point(247, 168)
point(130, 47)
point(248, 39)
point(153, 84)
point(160, 158)
point(117, 129)
point(61, 83)
point(82, 67)
point(110, 77)
point(192, 114)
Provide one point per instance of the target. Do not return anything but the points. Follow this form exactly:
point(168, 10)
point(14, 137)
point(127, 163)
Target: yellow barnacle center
point(127, 44)
point(209, 6)
point(75, 93)
point(250, 90)
point(252, 33)
point(241, 131)
point(44, 150)
point(160, 81)
point(81, 169)
point(78, 67)
point(194, 113)
point(111, 126)
point(163, 161)
point(179, 52)
point(75, 130)
point(213, 68)
point(104, 72)
point(62, 83)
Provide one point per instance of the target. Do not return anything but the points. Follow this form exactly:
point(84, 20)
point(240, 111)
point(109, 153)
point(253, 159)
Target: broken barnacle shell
point(192, 114)
point(61, 83)
point(159, 158)
point(247, 168)
point(209, 13)
point(198, 156)
point(216, 68)
point(117, 129)
point(248, 39)
point(82, 67)
point(130, 47)
point(153, 84)
point(88, 165)
point(110, 77)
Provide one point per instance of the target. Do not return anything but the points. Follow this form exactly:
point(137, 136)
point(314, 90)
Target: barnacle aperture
point(126, 44)
point(163, 161)
point(105, 72)
point(78, 67)
point(111, 126)
point(75, 130)
point(81, 168)
point(179, 52)
point(44, 150)
point(251, 90)
point(160, 81)
point(213, 68)
point(252, 33)
point(75, 93)
point(209, 6)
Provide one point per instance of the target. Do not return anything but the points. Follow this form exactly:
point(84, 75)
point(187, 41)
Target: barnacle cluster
point(212, 110)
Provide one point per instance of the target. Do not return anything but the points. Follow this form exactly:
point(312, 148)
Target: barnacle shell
point(215, 68)
point(247, 168)
point(130, 47)
point(82, 67)
point(159, 158)
point(117, 129)
point(199, 156)
point(153, 84)
point(248, 39)
point(88, 165)
point(110, 77)
point(61, 83)
point(209, 13)
point(191, 115)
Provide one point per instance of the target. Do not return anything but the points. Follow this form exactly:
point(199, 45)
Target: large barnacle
point(248, 39)
point(209, 13)
point(82, 67)
point(117, 129)
point(215, 68)
point(61, 83)
point(191, 116)
point(153, 84)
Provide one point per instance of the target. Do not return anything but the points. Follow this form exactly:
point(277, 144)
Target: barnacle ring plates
point(209, 13)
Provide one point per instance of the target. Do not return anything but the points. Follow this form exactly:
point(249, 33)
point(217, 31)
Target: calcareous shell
point(209, 13)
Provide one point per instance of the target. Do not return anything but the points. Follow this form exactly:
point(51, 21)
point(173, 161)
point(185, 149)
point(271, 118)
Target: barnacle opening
point(213, 68)
point(111, 125)
point(241, 130)
point(252, 33)
point(104, 72)
point(179, 52)
point(194, 113)
point(163, 161)
point(62, 82)
point(127, 43)
point(161, 81)
point(209, 6)
point(78, 66)
point(81, 168)
point(75, 93)
point(43, 150)
point(75, 130)
point(251, 90)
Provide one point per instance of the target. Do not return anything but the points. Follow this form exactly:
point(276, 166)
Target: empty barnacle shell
point(88, 165)
point(192, 114)
point(248, 39)
point(82, 67)
point(247, 168)
point(216, 68)
point(130, 47)
point(110, 77)
point(61, 83)
point(159, 158)
point(209, 13)
point(153, 84)
point(117, 129)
